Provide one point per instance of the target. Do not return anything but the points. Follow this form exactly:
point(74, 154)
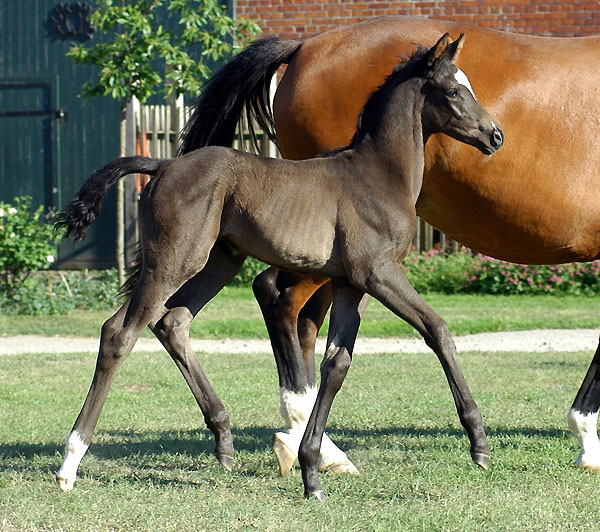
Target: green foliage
point(27, 243)
point(140, 55)
point(251, 268)
point(466, 272)
point(51, 293)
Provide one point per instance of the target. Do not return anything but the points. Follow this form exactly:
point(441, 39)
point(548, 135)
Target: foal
point(203, 213)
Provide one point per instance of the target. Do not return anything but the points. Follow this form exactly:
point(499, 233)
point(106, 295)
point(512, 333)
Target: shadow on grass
point(192, 443)
point(159, 457)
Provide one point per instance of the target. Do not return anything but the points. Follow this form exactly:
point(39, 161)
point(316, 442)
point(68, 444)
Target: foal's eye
point(452, 93)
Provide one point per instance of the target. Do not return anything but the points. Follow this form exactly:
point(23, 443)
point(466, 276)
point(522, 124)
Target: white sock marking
point(295, 409)
point(583, 427)
point(75, 448)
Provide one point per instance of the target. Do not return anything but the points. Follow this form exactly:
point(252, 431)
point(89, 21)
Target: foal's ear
point(437, 52)
point(455, 47)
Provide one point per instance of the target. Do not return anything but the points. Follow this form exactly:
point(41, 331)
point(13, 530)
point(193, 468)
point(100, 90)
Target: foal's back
point(279, 211)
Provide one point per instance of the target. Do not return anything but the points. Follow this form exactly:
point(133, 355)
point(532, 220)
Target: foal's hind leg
point(583, 416)
point(119, 334)
point(294, 306)
point(348, 306)
point(173, 331)
point(389, 285)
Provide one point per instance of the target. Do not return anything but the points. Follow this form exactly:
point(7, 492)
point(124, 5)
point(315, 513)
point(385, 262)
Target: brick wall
point(298, 18)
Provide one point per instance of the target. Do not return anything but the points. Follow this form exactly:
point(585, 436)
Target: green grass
point(234, 313)
point(151, 465)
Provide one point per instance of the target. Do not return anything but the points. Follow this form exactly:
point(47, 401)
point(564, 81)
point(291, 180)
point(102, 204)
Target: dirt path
point(526, 341)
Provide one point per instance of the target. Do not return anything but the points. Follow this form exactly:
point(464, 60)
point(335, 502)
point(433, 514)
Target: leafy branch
point(140, 57)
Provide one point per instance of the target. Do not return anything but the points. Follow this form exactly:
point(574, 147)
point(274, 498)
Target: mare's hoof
point(585, 462)
point(285, 456)
point(225, 459)
point(317, 495)
point(482, 460)
point(64, 484)
point(340, 468)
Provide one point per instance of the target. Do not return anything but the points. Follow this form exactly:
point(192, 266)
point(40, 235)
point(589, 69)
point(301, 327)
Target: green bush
point(467, 272)
point(27, 243)
point(49, 293)
point(52, 292)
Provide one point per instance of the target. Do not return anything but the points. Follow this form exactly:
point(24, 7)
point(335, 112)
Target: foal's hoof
point(482, 460)
point(225, 459)
point(64, 484)
point(317, 495)
point(285, 456)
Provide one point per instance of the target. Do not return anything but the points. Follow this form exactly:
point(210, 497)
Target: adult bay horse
point(203, 213)
point(537, 201)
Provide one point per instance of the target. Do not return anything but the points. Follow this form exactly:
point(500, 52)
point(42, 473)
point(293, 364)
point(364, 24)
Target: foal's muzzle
point(496, 141)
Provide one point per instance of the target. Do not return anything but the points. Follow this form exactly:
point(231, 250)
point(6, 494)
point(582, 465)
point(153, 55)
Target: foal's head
point(449, 103)
point(451, 106)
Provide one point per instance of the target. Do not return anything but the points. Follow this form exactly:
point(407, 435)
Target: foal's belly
point(306, 246)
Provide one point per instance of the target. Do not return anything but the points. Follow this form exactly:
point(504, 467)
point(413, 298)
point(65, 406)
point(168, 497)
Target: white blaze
point(462, 79)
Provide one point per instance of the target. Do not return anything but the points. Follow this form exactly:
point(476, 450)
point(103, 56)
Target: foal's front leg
point(389, 285)
point(348, 307)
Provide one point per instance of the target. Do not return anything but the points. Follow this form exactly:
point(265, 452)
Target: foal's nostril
point(497, 138)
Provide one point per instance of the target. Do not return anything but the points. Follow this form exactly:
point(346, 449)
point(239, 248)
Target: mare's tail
point(244, 81)
point(78, 215)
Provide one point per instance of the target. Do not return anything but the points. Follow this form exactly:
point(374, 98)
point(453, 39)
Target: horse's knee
point(116, 342)
point(439, 334)
point(335, 368)
point(264, 287)
point(174, 326)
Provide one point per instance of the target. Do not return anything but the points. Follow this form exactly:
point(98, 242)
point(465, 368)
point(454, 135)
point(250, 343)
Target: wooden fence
point(153, 130)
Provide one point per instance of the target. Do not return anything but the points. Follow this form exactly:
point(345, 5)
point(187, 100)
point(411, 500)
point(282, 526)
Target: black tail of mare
point(244, 81)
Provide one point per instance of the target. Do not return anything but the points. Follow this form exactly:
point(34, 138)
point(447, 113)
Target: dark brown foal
point(203, 213)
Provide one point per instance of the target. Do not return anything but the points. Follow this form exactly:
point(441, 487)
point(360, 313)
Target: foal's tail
point(78, 215)
point(244, 81)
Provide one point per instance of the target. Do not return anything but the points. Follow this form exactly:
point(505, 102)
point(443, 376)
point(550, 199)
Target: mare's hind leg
point(583, 416)
point(294, 306)
point(389, 285)
point(173, 331)
point(119, 334)
point(348, 306)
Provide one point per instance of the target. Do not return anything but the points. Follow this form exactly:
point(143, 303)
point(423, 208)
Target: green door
point(51, 140)
point(30, 126)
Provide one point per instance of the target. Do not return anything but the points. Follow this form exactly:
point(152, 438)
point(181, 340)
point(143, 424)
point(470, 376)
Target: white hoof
point(588, 462)
point(65, 484)
point(284, 453)
point(340, 468)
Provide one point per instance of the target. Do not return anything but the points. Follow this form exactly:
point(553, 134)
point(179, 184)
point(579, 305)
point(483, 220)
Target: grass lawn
point(234, 313)
point(151, 465)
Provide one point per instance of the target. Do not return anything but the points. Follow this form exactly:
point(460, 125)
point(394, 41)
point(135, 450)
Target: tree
point(140, 55)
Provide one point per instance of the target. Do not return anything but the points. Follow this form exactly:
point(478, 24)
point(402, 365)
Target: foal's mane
point(404, 70)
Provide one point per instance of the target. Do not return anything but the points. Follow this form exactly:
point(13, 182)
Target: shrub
point(468, 272)
point(27, 243)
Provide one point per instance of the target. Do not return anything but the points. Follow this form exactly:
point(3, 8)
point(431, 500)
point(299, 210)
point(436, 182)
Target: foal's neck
point(395, 148)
